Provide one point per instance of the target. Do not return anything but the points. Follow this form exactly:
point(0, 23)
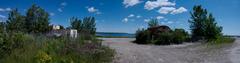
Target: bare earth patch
point(128, 52)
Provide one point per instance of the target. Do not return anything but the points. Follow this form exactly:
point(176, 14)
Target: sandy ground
point(128, 52)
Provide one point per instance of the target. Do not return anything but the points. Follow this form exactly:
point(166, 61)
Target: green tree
point(37, 19)
point(213, 31)
point(76, 24)
point(2, 27)
point(203, 25)
point(15, 22)
point(153, 23)
point(89, 25)
point(197, 22)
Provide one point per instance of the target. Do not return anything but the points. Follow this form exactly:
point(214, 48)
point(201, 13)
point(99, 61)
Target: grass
point(42, 49)
point(221, 41)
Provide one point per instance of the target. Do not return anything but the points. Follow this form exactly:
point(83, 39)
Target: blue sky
point(129, 15)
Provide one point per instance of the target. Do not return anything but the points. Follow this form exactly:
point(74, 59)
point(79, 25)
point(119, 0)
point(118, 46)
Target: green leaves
point(203, 25)
point(153, 23)
point(37, 19)
point(87, 25)
point(15, 22)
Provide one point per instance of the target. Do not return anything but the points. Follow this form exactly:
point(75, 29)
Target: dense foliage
point(23, 40)
point(37, 19)
point(152, 23)
point(87, 25)
point(177, 36)
point(203, 25)
point(25, 48)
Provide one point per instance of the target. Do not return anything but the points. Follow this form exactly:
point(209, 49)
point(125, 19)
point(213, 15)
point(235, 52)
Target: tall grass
point(42, 49)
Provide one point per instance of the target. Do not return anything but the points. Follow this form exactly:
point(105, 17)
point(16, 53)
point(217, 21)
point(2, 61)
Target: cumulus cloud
point(62, 6)
point(125, 20)
point(139, 16)
point(166, 10)
point(172, 10)
point(146, 20)
point(5, 9)
point(159, 17)
point(170, 22)
point(2, 16)
point(52, 14)
point(149, 5)
point(179, 10)
point(131, 15)
point(129, 3)
point(93, 10)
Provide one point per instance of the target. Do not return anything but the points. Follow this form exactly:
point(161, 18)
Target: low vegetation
point(23, 39)
point(202, 24)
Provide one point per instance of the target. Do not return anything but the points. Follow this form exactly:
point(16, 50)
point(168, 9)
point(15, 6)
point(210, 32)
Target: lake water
point(106, 34)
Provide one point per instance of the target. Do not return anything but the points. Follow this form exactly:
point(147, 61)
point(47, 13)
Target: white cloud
point(146, 20)
point(149, 5)
point(139, 16)
point(170, 22)
point(166, 10)
point(52, 14)
point(5, 10)
point(63, 4)
point(129, 3)
point(93, 10)
point(2, 16)
point(125, 20)
point(131, 15)
point(172, 10)
point(60, 9)
point(159, 17)
point(179, 10)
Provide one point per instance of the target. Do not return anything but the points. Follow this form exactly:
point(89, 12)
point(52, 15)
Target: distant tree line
point(202, 24)
point(36, 20)
point(160, 35)
point(86, 25)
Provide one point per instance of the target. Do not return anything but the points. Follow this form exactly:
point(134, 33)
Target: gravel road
point(128, 52)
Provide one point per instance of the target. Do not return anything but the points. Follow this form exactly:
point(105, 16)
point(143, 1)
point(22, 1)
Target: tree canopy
point(203, 24)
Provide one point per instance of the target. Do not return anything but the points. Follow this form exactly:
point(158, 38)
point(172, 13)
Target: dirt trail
point(128, 52)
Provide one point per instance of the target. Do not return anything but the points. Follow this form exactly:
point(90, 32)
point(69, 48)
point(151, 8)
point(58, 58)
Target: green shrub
point(179, 36)
point(42, 49)
point(222, 40)
point(143, 37)
point(164, 38)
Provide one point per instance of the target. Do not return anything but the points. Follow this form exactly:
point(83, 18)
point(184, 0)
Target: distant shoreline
point(114, 35)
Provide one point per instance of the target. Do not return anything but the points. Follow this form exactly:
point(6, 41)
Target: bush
point(11, 41)
point(43, 49)
point(177, 36)
point(222, 40)
point(164, 38)
point(180, 35)
point(143, 37)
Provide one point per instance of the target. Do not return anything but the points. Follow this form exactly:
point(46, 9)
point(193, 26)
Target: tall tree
point(153, 23)
point(213, 31)
point(76, 23)
point(2, 27)
point(37, 19)
point(203, 25)
point(15, 22)
point(197, 22)
point(89, 25)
